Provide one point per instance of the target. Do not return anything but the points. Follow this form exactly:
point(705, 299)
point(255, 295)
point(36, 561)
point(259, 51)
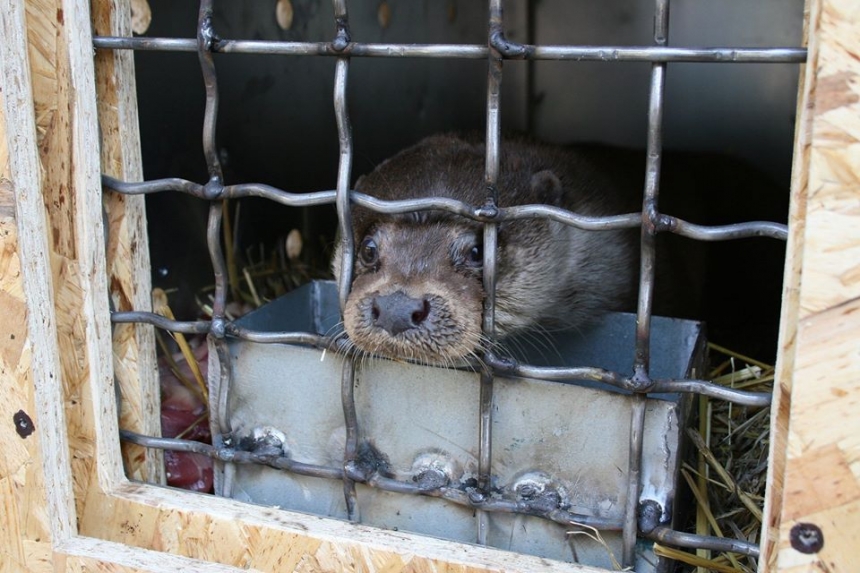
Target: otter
point(417, 281)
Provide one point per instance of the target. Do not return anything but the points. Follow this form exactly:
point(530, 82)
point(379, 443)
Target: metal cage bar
point(648, 258)
point(468, 51)
point(650, 220)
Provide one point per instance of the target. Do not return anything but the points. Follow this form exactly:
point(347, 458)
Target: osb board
point(127, 244)
point(819, 383)
point(31, 521)
point(63, 92)
point(24, 523)
point(37, 521)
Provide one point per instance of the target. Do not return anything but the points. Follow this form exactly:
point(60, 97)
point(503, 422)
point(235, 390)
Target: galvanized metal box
point(572, 437)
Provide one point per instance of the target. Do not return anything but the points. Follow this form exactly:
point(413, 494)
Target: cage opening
point(499, 49)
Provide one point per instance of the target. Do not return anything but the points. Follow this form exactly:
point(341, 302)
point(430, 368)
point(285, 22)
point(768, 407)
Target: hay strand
point(161, 306)
point(694, 560)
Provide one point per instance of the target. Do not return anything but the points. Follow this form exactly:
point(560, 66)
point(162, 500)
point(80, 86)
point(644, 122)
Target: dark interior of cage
point(727, 138)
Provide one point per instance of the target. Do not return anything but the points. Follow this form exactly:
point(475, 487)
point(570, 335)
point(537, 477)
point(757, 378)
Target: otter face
point(416, 292)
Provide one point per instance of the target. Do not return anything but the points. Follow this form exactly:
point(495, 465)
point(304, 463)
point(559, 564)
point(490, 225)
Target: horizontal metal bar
point(461, 51)
point(470, 51)
point(711, 390)
point(493, 504)
point(173, 444)
point(481, 214)
point(211, 192)
point(499, 365)
point(680, 539)
point(484, 215)
point(510, 367)
point(229, 454)
point(203, 327)
point(624, 221)
point(153, 186)
point(279, 196)
point(430, 203)
point(302, 338)
point(281, 462)
point(725, 232)
point(145, 44)
point(654, 54)
point(185, 327)
point(378, 205)
point(465, 51)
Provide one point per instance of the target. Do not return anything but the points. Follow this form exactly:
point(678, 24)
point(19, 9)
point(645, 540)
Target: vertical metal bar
point(642, 358)
point(637, 429)
point(532, 99)
point(491, 175)
point(205, 39)
point(219, 372)
point(494, 82)
point(485, 459)
point(350, 453)
point(649, 204)
point(344, 130)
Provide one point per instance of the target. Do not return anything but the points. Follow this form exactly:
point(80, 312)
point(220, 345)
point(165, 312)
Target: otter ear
point(358, 182)
point(546, 188)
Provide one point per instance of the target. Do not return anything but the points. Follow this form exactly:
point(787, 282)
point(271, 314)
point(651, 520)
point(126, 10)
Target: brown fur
point(548, 273)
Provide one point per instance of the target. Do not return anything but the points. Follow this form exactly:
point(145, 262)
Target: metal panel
point(572, 436)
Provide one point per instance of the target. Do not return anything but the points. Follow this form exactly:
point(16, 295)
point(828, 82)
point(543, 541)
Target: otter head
point(416, 290)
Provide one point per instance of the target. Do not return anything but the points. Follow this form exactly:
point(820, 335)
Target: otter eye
point(368, 252)
point(467, 252)
point(476, 255)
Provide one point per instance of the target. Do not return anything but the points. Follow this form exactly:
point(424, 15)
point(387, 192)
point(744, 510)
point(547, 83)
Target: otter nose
point(398, 312)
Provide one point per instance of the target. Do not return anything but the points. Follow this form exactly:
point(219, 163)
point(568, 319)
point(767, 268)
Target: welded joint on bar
point(343, 37)
point(508, 49)
point(652, 219)
point(208, 39)
point(652, 526)
point(488, 212)
point(213, 189)
point(640, 382)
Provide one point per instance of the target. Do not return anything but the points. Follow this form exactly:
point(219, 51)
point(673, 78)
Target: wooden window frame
point(69, 504)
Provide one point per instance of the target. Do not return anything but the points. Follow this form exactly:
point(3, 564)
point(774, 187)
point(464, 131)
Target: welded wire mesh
point(639, 519)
